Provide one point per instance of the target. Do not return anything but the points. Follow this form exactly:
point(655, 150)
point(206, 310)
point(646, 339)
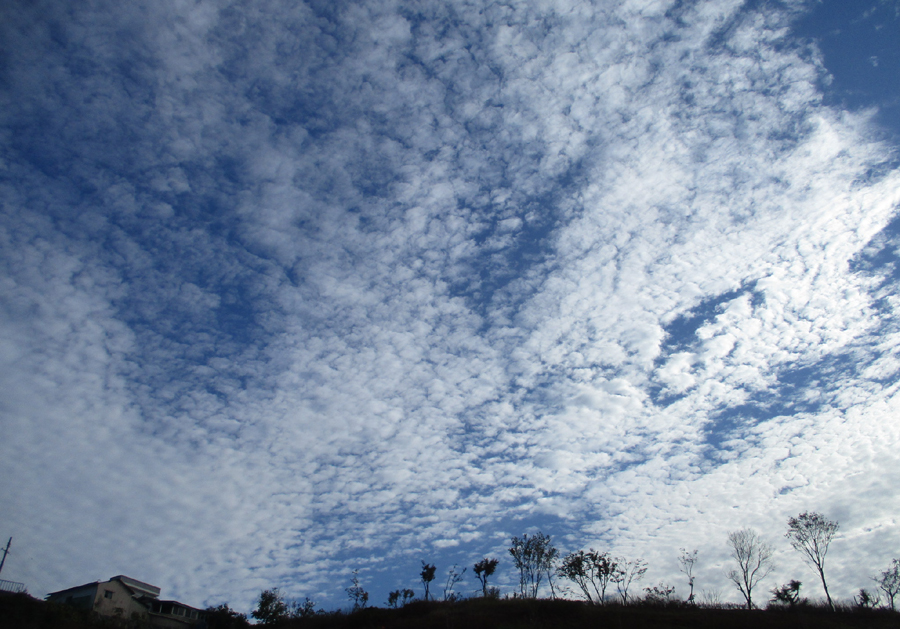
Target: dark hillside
point(24, 612)
point(21, 611)
point(550, 614)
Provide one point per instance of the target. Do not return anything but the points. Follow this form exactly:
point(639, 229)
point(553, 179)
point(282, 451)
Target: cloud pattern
point(290, 290)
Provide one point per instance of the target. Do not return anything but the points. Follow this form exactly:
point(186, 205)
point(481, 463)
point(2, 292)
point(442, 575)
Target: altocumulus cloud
point(295, 288)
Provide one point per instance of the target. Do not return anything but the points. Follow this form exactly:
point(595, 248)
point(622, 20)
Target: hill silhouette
point(22, 611)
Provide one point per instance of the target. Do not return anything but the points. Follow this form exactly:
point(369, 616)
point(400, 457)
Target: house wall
point(173, 615)
point(121, 603)
point(114, 598)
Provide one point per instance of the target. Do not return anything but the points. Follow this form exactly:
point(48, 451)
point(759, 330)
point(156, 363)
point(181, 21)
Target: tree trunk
point(825, 587)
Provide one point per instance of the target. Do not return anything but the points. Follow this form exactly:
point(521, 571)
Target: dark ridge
point(21, 611)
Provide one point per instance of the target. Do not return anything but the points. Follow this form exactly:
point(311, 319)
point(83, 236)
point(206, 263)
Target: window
point(108, 594)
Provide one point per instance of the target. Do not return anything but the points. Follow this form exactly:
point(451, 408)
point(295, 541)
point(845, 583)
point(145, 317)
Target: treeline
point(602, 579)
point(586, 588)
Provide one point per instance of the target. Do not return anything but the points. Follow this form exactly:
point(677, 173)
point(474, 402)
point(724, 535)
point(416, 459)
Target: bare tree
point(889, 582)
point(627, 572)
point(453, 577)
point(427, 575)
point(810, 534)
point(711, 599)
point(754, 558)
point(484, 569)
point(534, 557)
point(356, 593)
point(686, 565)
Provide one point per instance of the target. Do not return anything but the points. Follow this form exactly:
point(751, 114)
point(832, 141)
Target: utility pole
point(5, 552)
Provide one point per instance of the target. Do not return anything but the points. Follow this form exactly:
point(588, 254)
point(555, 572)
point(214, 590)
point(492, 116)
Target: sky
point(293, 289)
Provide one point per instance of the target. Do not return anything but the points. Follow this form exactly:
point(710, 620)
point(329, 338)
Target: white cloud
point(308, 289)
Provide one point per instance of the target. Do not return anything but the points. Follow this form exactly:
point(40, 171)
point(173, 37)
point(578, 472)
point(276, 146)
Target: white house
point(125, 597)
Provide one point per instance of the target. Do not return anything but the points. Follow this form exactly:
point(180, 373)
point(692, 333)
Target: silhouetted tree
point(484, 569)
point(534, 557)
point(270, 607)
point(223, 617)
point(302, 609)
point(686, 563)
point(889, 582)
point(810, 534)
point(577, 567)
point(399, 598)
point(711, 599)
point(356, 593)
point(453, 577)
point(659, 594)
point(754, 558)
point(591, 571)
point(427, 575)
point(865, 600)
point(787, 594)
point(626, 573)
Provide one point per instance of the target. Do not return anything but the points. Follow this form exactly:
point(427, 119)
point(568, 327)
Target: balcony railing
point(11, 586)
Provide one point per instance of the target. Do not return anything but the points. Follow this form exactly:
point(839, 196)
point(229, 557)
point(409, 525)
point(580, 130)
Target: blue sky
point(294, 289)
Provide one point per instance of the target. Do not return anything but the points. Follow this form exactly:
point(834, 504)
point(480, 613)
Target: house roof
point(137, 588)
point(72, 589)
point(179, 603)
